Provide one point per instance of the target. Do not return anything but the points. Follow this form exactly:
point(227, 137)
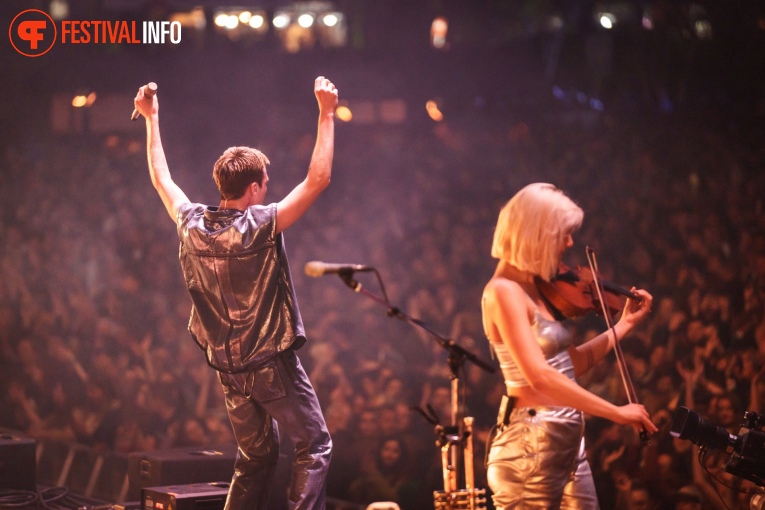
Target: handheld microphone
point(148, 91)
point(316, 268)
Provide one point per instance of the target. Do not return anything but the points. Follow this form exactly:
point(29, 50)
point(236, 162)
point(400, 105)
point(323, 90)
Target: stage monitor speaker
point(197, 496)
point(18, 463)
point(179, 466)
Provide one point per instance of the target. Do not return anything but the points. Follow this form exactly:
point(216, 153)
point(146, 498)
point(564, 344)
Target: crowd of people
point(93, 309)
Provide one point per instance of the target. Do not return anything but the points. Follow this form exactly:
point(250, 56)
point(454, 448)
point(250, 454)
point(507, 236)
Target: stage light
point(703, 29)
point(438, 30)
point(257, 21)
point(555, 23)
point(232, 22)
point(305, 20)
point(699, 18)
point(607, 20)
point(331, 29)
point(84, 101)
point(612, 14)
point(281, 20)
point(434, 112)
point(221, 20)
point(343, 113)
point(330, 20)
point(193, 19)
point(240, 24)
point(305, 25)
point(58, 9)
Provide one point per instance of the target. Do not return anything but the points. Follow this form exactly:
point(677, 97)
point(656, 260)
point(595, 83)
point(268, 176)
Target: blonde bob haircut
point(532, 228)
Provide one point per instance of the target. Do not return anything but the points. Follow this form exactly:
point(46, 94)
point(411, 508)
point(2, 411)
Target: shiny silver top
point(244, 309)
point(552, 337)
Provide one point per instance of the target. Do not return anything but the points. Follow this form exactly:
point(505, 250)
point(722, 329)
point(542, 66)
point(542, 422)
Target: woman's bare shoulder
point(504, 291)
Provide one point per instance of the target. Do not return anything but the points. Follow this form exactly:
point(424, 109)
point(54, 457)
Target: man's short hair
point(237, 168)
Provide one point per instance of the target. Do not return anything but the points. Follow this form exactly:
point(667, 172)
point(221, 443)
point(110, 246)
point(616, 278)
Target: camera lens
point(689, 425)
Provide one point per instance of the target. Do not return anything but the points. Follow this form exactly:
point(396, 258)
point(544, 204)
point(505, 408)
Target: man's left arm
point(292, 207)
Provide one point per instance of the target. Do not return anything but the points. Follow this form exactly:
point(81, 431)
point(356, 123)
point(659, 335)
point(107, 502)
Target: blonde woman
point(537, 459)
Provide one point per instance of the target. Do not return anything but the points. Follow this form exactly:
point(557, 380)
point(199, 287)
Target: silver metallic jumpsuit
point(538, 459)
point(245, 317)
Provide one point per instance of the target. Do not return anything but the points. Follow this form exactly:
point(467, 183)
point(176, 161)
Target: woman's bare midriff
point(529, 397)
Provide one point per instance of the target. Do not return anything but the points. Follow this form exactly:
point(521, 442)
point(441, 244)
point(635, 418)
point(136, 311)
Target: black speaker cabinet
point(196, 496)
point(18, 464)
point(179, 466)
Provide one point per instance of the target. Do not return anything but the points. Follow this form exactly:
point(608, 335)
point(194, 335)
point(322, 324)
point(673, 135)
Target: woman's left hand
point(635, 311)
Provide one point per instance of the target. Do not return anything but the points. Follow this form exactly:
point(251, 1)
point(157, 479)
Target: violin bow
point(626, 380)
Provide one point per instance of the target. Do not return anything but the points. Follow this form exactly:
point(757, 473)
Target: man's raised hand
point(144, 101)
point(326, 94)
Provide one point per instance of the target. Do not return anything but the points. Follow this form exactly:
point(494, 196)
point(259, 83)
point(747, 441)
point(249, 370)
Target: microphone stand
point(457, 354)
point(452, 437)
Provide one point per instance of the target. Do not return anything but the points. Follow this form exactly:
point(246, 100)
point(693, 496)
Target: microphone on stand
point(316, 268)
point(148, 91)
point(344, 271)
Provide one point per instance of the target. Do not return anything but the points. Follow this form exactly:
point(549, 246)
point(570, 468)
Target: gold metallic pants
point(538, 461)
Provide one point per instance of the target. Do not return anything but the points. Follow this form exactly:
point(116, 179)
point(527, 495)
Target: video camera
point(746, 450)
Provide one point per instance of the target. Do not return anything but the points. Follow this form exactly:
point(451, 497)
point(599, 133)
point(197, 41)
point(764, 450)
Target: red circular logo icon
point(32, 33)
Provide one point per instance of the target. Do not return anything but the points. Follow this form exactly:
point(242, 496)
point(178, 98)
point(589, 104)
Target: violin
point(579, 291)
point(573, 293)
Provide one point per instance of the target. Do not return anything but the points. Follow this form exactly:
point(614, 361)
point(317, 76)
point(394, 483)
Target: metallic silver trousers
point(276, 398)
point(538, 461)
